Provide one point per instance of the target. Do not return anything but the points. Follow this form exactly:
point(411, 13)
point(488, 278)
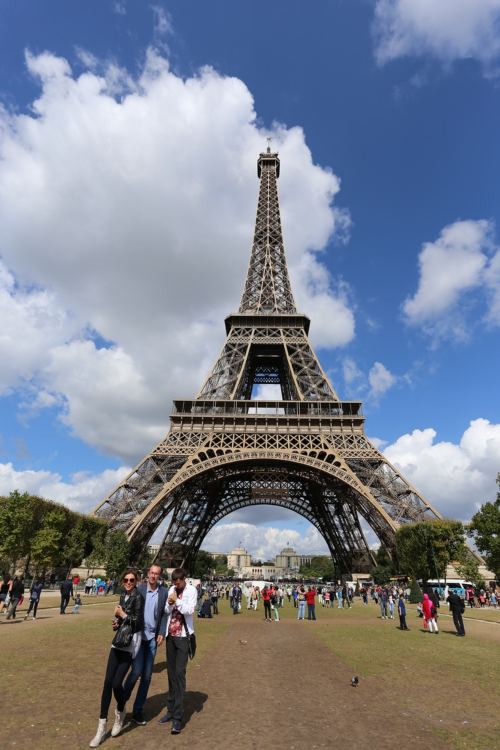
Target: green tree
point(220, 565)
point(415, 592)
point(424, 549)
point(117, 553)
point(204, 564)
point(320, 567)
point(485, 529)
point(75, 544)
point(47, 543)
point(467, 566)
point(383, 569)
point(18, 523)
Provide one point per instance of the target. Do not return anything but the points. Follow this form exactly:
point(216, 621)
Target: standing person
point(301, 599)
point(152, 636)
point(391, 606)
point(383, 603)
point(402, 612)
point(66, 589)
point(214, 599)
point(311, 608)
point(35, 594)
point(275, 603)
point(236, 596)
point(16, 591)
point(266, 598)
point(430, 613)
point(129, 615)
point(457, 607)
point(89, 585)
point(181, 603)
point(289, 593)
point(339, 597)
point(4, 590)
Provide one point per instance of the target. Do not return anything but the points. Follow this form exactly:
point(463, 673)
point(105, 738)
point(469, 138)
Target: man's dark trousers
point(177, 659)
point(64, 602)
point(458, 622)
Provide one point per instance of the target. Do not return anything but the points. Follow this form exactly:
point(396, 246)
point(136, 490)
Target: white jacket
point(186, 606)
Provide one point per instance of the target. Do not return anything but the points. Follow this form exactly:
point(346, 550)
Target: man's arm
point(187, 604)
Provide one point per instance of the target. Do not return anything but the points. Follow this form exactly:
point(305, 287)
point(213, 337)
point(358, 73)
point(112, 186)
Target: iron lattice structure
point(307, 452)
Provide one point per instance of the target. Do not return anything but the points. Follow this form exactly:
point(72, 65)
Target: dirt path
point(281, 689)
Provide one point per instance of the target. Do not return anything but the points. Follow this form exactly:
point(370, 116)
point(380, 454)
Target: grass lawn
point(453, 682)
point(52, 672)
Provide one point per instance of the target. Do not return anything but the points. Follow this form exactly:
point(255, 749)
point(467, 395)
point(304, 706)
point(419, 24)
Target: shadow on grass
point(155, 705)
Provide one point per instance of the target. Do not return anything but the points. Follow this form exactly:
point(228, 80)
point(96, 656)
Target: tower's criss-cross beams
point(224, 451)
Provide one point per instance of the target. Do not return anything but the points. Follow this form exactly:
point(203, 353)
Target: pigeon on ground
point(243, 643)
point(354, 682)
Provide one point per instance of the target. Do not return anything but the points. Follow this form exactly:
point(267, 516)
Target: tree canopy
point(44, 534)
point(425, 549)
point(319, 567)
point(485, 529)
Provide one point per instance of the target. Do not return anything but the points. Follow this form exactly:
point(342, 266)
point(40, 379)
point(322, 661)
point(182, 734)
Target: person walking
point(35, 594)
point(153, 635)
point(181, 603)
point(311, 608)
point(266, 598)
point(430, 613)
point(66, 589)
point(301, 599)
point(457, 607)
point(128, 623)
point(16, 591)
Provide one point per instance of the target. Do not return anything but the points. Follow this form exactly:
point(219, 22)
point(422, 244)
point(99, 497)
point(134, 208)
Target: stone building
point(238, 559)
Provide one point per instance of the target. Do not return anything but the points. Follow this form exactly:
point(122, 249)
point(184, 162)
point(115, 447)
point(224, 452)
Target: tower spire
point(267, 287)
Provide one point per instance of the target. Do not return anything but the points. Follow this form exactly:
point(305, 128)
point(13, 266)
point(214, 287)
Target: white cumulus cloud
point(81, 493)
point(263, 542)
point(126, 221)
point(446, 30)
point(455, 477)
point(461, 260)
point(380, 379)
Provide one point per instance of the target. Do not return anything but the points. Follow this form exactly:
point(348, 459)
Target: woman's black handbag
point(123, 636)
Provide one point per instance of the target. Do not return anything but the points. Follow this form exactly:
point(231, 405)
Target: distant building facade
point(286, 565)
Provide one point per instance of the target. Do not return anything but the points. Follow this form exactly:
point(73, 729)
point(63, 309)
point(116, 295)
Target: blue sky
point(128, 138)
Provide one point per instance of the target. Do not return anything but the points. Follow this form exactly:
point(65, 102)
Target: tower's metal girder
point(307, 453)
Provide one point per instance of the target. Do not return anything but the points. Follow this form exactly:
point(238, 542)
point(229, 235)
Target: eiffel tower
point(307, 452)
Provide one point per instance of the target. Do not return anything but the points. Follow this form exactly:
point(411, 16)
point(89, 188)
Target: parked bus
point(455, 585)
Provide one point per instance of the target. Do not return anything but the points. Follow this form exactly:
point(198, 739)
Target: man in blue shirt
point(153, 635)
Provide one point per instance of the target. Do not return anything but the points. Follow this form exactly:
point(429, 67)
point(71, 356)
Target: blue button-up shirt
point(150, 614)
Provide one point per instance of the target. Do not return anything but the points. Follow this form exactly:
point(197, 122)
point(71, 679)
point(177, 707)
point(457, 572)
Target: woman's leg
point(107, 688)
point(124, 662)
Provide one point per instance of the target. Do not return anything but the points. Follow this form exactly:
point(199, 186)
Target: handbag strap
point(185, 625)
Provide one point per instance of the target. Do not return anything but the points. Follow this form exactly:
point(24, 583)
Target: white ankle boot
point(100, 734)
point(119, 721)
